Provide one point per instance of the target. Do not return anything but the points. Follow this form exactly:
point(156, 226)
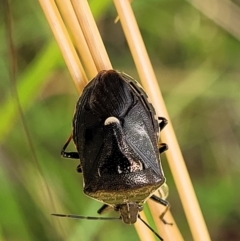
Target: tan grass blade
point(174, 155)
point(91, 34)
point(65, 44)
point(71, 21)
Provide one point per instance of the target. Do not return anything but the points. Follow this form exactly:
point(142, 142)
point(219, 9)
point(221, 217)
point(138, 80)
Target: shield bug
point(116, 132)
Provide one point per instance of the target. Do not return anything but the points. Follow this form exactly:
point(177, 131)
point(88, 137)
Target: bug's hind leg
point(71, 155)
point(165, 203)
point(163, 122)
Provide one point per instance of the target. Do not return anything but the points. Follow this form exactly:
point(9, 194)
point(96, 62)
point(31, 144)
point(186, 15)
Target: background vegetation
point(198, 67)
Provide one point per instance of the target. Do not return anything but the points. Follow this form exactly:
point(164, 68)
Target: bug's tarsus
point(163, 213)
point(163, 122)
point(164, 203)
point(163, 147)
point(150, 228)
point(72, 155)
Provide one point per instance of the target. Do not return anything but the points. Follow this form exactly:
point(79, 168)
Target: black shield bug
point(116, 134)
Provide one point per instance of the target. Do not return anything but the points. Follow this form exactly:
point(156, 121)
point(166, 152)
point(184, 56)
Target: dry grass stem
point(91, 34)
point(61, 35)
point(174, 155)
point(71, 21)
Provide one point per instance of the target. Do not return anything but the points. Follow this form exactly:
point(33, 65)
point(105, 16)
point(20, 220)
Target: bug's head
point(129, 212)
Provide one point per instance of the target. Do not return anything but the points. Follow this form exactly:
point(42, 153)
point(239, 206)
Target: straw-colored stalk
point(65, 44)
point(87, 35)
point(174, 155)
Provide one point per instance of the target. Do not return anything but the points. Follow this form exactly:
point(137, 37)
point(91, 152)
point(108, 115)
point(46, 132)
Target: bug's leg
point(165, 203)
point(163, 122)
point(72, 155)
point(104, 209)
point(162, 147)
point(79, 168)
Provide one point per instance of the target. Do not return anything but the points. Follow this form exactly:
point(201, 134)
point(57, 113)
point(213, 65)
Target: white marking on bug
point(119, 170)
point(99, 172)
point(111, 120)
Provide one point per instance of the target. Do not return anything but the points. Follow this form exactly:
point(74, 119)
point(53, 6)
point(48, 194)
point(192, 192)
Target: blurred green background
point(198, 67)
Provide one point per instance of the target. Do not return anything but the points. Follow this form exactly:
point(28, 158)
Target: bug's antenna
point(150, 228)
point(84, 217)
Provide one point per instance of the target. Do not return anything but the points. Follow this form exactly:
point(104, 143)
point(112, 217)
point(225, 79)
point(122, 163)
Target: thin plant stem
point(65, 44)
point(91, 33)
point(174, 155)
point(71, 21)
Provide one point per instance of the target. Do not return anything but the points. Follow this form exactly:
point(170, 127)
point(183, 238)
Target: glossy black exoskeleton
point(116, 134)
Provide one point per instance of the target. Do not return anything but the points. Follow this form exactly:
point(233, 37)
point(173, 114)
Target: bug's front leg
point(71, 155)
